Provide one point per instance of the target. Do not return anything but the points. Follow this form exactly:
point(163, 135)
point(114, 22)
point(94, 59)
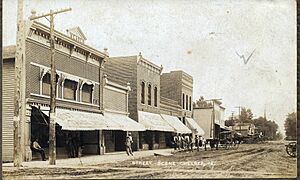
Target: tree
point(290, 126)
point(246, 115)
point(229, 122)
point(202, 103)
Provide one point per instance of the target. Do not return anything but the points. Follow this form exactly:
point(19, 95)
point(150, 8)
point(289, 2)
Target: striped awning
point(176, 124)
point(82, 121)
point(192, 124)
point(154, 122)
point(86, 121)
point(125, 123)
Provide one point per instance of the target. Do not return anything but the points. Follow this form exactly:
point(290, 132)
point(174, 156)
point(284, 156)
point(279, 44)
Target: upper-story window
point(155, 96)
point(187, 102)
point(87, 92)
point(183, 103)
point(46, 84)
point(190, 108)
point(143, 93)
point(149, 94)
point(70, 89)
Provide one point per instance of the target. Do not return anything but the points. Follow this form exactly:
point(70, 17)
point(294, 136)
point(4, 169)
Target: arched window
point(149, 94)
point(190, 103)
point(183, 103)
point(187, 102)
point(46, 84)
point(143, 93)
point(155, 96)
point(87, 91)
point(70, 88)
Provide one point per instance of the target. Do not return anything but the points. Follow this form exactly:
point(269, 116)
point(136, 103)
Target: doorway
point(120, 138)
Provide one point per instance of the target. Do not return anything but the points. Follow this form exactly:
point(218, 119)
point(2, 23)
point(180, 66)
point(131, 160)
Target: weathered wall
point(8, 110)
point(203, 117)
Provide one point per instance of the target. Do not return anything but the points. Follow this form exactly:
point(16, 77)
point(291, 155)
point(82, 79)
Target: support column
point(101, 142)
point(27, 134)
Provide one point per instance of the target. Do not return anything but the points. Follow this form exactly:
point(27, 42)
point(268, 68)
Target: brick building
point(177, 86)
point(84, 107)
point(145, 101)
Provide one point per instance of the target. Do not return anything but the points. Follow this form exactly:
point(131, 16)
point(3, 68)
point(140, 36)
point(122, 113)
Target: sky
point(206, 39)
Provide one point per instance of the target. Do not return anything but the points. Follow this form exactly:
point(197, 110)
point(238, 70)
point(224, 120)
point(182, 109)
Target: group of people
point(185, 142)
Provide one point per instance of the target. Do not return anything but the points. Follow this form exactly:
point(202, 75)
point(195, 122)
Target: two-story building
point(88, 106)
point(178, 87)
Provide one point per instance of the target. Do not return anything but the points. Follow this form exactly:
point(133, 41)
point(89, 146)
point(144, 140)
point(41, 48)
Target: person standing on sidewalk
point(175, 141)
point(192, 142)
point(197, 142)
point(128, 144)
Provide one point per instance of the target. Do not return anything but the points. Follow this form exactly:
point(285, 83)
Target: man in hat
point(128, 144)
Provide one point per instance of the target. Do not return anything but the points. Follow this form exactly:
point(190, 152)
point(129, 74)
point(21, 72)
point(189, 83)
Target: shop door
point(120, 138)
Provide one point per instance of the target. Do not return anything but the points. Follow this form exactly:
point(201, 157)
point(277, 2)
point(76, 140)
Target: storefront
point(114, 140)
point(158, 131)
point(90, 133)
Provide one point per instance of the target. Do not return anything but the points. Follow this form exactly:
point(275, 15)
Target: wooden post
point(52, 142)
point(52, 139)
point(17, 91)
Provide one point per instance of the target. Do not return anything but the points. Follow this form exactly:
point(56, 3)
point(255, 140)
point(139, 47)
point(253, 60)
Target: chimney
point(105, 51)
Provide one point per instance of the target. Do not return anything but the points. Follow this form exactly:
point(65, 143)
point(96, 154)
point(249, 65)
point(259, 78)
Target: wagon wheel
point(291, 149)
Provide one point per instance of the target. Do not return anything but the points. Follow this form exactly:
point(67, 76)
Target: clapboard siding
point(8, 110)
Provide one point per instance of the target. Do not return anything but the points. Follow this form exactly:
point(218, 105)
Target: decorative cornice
point(36, 25)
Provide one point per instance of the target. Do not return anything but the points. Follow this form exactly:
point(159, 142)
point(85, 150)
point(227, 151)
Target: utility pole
point(239, 107)
point(52, 139)
point(239, 117)
point(17, 77)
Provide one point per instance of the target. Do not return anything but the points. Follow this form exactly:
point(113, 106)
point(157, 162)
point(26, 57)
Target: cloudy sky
point(206, 39)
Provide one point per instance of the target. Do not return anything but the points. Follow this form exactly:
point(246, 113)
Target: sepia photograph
point(152, 89)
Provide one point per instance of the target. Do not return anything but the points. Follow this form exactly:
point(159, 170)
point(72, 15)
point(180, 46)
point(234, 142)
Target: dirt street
point(248, 161)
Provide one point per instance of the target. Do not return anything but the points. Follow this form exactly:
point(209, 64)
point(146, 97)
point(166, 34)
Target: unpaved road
point(248, 161)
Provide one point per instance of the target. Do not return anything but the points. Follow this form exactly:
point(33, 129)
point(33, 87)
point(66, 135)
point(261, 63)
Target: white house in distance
point(210, 116)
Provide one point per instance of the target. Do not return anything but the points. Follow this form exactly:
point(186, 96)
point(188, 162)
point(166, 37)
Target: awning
point(176, 124)
point(191, 123)
point(224, 128)
point(154, 122)
point(82, 121)
point(125, 123)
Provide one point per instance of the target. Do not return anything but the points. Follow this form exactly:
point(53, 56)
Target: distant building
point(244, 128)
point(210, 117)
